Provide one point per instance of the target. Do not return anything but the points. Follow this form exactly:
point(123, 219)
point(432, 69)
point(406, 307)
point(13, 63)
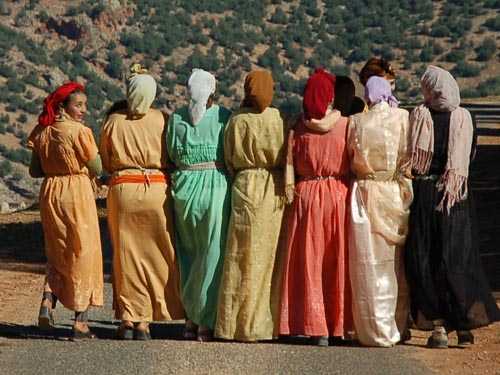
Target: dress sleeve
point(85, 146)
point(229, 145)
point(31, 143)
point(170, 138)
point(105, 146)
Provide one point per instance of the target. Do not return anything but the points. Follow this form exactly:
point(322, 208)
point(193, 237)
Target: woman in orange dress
point(145, 274)
point(315, 299)
point(66, 155)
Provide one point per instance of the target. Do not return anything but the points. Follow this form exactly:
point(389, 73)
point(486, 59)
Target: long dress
point(254, 150)
point(444, 269)
point(380, 200)
point(145, 274)
point(202, 203)
point(316, 298)
point(69, 214)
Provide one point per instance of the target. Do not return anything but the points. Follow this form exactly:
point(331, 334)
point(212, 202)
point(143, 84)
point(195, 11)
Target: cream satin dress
point(380, 201)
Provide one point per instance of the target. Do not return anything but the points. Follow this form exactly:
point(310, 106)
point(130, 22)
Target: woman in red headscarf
point(65, 154)
point(315, 299)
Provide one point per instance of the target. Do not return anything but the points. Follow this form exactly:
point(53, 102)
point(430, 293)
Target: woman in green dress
point(195, 143)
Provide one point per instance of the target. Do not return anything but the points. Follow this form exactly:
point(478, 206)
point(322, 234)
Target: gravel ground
point(26, 350)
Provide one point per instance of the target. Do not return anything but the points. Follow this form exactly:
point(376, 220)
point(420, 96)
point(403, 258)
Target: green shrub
point(493, 23)
point(486, 49)
point(5, 168)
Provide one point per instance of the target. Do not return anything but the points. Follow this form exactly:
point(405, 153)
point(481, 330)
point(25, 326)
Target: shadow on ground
point(104, 330)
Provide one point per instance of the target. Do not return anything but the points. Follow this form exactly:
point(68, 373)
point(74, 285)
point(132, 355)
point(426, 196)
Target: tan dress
point(145, 275)
point(69, 214)
point(254, 150)
point(380, 201)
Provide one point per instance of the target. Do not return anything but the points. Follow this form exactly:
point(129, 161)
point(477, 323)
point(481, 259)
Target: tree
point(279, 17)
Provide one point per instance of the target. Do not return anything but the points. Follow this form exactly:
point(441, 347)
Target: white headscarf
point(141, 91)
point(201, 85)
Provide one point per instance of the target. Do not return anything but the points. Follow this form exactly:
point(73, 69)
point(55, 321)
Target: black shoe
point(320, 341)
point(405, 336)
point(465, 338)
point(45, 318)
point(438, 340)
point(141, 335)
point(124, 333)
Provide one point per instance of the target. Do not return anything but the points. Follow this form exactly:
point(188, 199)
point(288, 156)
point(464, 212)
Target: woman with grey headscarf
point(448, 287)
point(195, 143)
point(145, 275)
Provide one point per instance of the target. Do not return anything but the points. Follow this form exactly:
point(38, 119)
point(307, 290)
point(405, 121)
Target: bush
point(486, 49)
point(440, 31)
point(493, 23)
point(115, 65)
point(279, 17)
point(455, 56)
point(22, 118)
point(14, 85)
point(5, 168)
point(463, 69)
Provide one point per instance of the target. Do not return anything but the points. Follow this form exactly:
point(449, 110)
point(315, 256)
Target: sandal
point(190, 330)
point(45, 318)
point(142, 335)
point(465, 338)
point(80, 335)
point(438, 340)
point(124, 333)
point(205, 334)
point(320, 341)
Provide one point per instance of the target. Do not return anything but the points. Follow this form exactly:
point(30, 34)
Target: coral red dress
point(316, 297)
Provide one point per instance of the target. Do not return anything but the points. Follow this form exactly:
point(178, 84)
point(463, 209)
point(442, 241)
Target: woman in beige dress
point(254, 153)
point(380, 201)
point(65, 154)
point(145, 275)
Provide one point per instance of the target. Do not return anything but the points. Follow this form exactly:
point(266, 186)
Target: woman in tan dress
point(145, 276)
point(64, 153)
point(254, 152)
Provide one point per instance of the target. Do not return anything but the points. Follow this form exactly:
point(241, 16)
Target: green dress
point(202, 208)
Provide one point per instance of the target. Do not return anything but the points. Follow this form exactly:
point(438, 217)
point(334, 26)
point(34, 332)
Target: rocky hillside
point(45, 42)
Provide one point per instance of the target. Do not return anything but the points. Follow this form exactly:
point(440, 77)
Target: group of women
point(348, 221)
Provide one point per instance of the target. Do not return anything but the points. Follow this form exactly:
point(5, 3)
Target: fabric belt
point(431, 177)
point(321, 178)
point(147, 177)
point(381, 176)
point(202, 166)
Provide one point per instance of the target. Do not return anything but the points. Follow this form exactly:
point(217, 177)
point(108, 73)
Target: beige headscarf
point(441, 93)
point(201, 85)
point(141, 91)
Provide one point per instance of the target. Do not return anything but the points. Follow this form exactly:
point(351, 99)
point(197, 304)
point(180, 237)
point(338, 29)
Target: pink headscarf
point(378, 89)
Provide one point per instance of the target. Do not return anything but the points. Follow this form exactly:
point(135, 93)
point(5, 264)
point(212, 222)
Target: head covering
point(141, 90)
point(259, 90)
point(201, 85)
point(442, 93)
point(318, 94)
point(358, 106)
point(378, 89)
point(376, 67)
point(344, 94)
point(52, 102)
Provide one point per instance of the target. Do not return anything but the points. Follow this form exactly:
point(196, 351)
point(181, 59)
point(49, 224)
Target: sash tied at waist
point(148, 176)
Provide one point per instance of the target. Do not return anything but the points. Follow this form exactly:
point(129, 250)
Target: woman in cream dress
point(380, 202)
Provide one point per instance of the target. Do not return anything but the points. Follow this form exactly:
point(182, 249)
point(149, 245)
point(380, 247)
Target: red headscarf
point(318, 94)
point(52, 102)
